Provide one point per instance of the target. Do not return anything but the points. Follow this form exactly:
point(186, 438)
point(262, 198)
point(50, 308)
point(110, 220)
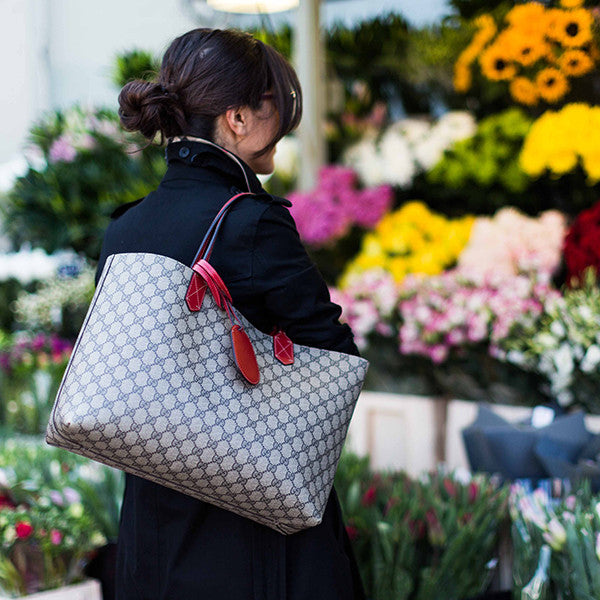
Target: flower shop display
point(582, 244)
point(416, 538)
point(407, 147)
point(31, 368)
point(539, 51)
point(89, 167)
point(561, 534)
point(411, 240)
point(561, 141)
point(563, 345)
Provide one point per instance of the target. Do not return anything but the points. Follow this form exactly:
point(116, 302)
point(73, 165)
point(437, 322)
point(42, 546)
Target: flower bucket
point(87, 590)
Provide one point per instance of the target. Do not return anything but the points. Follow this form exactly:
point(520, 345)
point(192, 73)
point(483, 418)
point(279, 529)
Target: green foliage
point(91, 167)
point(135, 64)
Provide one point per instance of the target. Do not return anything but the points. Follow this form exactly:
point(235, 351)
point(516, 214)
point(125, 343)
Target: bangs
point(287, 94)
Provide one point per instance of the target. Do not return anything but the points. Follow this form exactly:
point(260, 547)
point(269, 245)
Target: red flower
point(389, 504)
point(466, 519)
point(6, 502)
point(449, 487)
point(369, 496)
point(473, 492)
point(352, 532)
point(23, 529)
point(582, 243)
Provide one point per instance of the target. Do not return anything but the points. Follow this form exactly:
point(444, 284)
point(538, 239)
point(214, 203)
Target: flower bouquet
point(421, 539)
point(567, 528)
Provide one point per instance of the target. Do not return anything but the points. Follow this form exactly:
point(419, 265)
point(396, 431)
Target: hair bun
point(150, 107)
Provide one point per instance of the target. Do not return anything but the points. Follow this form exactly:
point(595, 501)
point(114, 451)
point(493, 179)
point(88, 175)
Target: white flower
point(558, 329)
point(563, 359)
point(591, 359)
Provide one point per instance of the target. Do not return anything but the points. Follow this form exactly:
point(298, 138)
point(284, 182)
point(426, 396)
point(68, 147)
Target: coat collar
point(197, 152)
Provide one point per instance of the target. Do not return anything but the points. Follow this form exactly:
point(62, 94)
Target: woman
point(223, 100)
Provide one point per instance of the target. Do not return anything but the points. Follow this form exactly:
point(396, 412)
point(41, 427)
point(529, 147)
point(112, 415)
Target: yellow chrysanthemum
point(571, 3)
point(496, 63)
point(523, 90)
point(575, 63)
point(559, 141)
point(591, 164)
point(575, 28)
point(562, 161)
point(412, 239)
point(552, 85)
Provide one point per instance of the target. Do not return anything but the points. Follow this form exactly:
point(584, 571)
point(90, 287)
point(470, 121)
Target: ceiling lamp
point(252, 6)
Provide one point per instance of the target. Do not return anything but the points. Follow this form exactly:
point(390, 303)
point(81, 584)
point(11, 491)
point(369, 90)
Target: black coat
point(172, 546)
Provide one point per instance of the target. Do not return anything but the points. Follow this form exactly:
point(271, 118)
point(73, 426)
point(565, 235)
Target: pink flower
point(62, 150)
point(56, 537)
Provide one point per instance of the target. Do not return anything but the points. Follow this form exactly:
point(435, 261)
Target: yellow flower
point(575, 63)
point(558, 141)
point(562, 161)
point(524, 15)
point(575, 28)
point(523, 90)
point(591, 164)
point(462, 77)
point(553, 22)
point(571, 3)
point(552, 84)
point(496, 63)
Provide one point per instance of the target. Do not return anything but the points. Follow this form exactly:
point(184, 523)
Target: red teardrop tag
point(244, 355)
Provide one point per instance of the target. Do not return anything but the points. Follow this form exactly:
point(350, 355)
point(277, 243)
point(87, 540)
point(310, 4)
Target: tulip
point(556, 534)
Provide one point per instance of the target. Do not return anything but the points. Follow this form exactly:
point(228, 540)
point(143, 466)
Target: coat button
point(184, 152)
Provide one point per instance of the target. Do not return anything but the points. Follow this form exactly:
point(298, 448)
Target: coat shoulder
point(123, 208)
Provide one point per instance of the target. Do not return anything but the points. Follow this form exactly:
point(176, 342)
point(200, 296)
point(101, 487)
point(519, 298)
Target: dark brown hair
point(204, 73)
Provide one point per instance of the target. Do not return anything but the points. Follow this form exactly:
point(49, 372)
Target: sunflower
point(575, 28)
point(462, 76)
point(524, 15)
point(575, 63)
point(523, 90)
point(525, 47)
point(496, 64)
point(571, 3)
point(553, 22)
point(552, 85)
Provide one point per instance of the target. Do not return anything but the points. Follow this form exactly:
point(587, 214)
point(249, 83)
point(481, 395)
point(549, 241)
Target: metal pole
point(310, 66)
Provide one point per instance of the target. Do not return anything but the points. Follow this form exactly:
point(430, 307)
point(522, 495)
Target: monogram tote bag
point(169, 382)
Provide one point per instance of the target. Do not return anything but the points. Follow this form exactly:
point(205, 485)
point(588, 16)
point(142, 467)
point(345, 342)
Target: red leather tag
point(195, 293)
point(283, 348)
point(244, 355)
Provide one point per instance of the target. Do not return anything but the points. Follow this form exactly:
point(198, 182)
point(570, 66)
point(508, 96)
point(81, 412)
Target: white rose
point(591, 359)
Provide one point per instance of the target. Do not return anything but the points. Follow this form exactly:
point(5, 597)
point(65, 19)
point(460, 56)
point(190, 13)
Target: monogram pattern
point(152, 388)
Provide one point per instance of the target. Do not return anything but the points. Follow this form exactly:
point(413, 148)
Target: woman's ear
point(237, 121)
